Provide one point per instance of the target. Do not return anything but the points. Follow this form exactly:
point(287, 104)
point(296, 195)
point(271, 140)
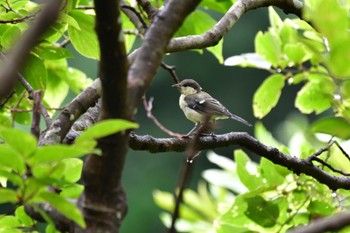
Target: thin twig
point(7, 98)
point(342, 150)
point(35, 127)
point(148, 8)
point(135, 17)
point(171, 70)
point(187, 166)
point(31, 91)
point(148, 107)
point(18, 20)
point(16, 105)
point(330, 166)
point(314, 157)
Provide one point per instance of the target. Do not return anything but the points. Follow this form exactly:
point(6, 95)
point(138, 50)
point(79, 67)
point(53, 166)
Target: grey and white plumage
point(197, 105)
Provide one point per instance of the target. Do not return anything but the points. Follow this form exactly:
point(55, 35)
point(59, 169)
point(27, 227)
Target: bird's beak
point(176, 85)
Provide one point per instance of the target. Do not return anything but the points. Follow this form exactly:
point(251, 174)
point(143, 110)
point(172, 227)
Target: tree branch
point(60, 127)
point(331, 224)
point(149, 57)
point(298, 166)
point(103, 203)
point(18, 56)
point(215, 34)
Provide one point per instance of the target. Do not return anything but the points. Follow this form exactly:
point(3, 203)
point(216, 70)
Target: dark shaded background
point(233, 86)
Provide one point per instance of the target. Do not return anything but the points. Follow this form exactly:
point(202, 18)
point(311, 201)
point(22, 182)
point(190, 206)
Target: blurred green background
point(233, 86)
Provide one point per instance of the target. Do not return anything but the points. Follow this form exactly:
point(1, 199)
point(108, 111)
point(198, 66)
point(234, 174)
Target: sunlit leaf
point(105, 128)
point(64, 207)
point(261, 211)
point(85, 39)
point(23, 142)
point(55, 153)
point(268, 46)
point(248, 60)
point(10, 158)
point(267, 95)
point(247, 171)
point(313, 97)
point(8, 195)
point(334, 126)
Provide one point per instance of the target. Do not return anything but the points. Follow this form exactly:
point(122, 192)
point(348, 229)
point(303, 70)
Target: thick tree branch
point(330, 224)
point(60, 127)
point(16, 59)
point(103, 203)
point(215, 34)
point(153, 48)
point(187, 166)
point(248, 142)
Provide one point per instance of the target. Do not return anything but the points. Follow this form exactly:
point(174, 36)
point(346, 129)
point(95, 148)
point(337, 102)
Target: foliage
point(241, 196)
point(245, 196)
point(32, 175)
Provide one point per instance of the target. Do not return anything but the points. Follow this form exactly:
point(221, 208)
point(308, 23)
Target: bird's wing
point(203, 103)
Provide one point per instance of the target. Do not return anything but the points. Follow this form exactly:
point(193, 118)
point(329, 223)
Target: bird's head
point(188, 87)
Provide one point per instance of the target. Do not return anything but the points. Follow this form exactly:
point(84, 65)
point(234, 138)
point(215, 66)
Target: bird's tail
point(240, 119)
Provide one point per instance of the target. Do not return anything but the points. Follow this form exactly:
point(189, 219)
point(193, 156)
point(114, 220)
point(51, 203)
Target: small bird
point(198, 105)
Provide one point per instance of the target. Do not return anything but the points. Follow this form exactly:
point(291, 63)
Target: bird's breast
point(190, 114)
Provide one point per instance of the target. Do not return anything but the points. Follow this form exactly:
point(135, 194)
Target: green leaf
point(8, 195)
point(73, 169)
point(339, 55)
point(219, 6)
point(16, 179)
point(51, 52)
point(217, 51)
point(23, 142)
point(267, 95)
point(9, 37)
point(164, 200)
point(23, 217)
point(296, 52)
point(84, 40)
point(331, 20)
point(288, 32)
point(72, 191)
point(64, 207)
point(76, 79)
point(197, 23)
point(222, 161)
point(235, 219)
point(105, 128)
point(316, 95)
point(270, 173)
point(69, 20)
point(334, 126)
point(57, 88)
point(268, 46)
point(261, 211)
point(224, 179)
point(247, 171)
point(129, 38)
point(10, 158)
point(55, 153)
point(34, 72)
point(248, 60)
point(275, 20)
point(8, 224)
point(321, 208)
